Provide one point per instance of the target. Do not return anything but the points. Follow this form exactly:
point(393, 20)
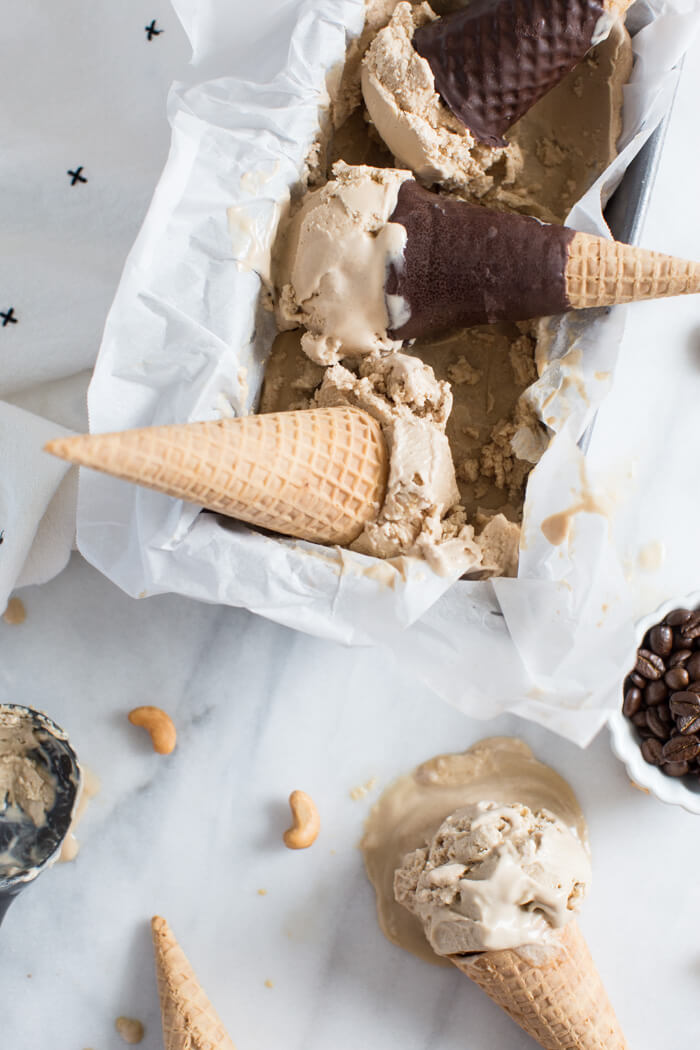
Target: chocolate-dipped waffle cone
point(318, 474)
point(493, 60)
point(464, 265)
point(558, 999)
point(190, 1022)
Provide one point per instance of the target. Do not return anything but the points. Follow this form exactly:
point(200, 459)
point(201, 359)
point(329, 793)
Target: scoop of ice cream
point(331, 265)
point(420, 514)
point(494, 876)
point(390, 387)
point(423, 134)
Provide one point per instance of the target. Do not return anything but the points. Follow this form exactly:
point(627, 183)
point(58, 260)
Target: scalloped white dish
point(625, 742)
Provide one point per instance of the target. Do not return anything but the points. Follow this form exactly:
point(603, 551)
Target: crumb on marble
point(269, 984)
point(131, 1030)
point(362, 790)
point(15, 613)
point(262, 893)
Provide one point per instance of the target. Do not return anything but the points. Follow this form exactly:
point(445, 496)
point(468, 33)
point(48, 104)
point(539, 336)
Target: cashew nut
point(306, 821)
point(159, 724)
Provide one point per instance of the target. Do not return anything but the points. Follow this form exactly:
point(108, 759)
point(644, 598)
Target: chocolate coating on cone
point(492, 61)
point(467, 265)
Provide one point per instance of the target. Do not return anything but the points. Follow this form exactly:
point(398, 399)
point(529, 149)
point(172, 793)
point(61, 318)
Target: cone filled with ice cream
point(318, 474)
point(466, 875)
point(189, 1020)
point(40, 784)
point(419, 264)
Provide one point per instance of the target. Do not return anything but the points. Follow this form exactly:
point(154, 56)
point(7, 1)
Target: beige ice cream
point(330, 266)
point(495, 875)
point(27, 789)
point(422, 133)
point(495, 797)
point(421, 514)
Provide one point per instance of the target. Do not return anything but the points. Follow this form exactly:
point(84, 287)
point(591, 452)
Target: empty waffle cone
point(318, 475)
point(558, 999)
point(190, 1022)
point(601, 273)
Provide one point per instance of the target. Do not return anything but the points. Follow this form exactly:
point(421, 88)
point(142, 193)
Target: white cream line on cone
point(318, 475)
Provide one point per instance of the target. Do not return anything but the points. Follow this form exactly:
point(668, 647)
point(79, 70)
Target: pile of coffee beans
point(662, 694)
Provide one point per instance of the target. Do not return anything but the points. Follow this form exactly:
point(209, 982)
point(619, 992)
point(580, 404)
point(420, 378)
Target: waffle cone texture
point(317, 475)
point(560, 1001)
point(602, 273)
point(190, 1022)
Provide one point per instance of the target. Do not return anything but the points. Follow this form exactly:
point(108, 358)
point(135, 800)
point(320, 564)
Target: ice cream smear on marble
point(39, 786)
point(479, 851)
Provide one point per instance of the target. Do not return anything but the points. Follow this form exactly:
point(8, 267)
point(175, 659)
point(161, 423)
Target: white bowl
point(624, 739)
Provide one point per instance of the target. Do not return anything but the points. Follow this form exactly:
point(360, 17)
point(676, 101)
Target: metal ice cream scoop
point(40, 782)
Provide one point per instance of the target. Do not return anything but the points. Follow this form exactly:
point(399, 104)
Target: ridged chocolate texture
point(466, 265)
point(495, 59)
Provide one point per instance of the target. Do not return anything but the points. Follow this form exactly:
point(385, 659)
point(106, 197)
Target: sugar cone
point(601, 273)
point(317, 475)
point(559, 1000)
point(190, 1022)
point(493, 61)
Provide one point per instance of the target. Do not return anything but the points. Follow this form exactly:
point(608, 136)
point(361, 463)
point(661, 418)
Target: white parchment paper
point(186, 340)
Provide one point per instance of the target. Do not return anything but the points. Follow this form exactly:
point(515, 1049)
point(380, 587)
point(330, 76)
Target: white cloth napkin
point(83, 90)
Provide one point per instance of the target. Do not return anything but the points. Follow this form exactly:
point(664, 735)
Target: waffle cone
point(317, 475)
point(601, 273)
point(190, 1022)
point(559, 1000)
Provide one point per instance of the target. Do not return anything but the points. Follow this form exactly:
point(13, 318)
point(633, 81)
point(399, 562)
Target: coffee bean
point(688, 723)
point(656, 692)
point(693, 687)
point(632, 702)
point(677, 617)
point(661, 639)
point(681, 748)
point(657, 726)
point(664, 713)
point(653, 752)
point(680, 657)
point(649, 665)
point(693, 667)
point(691, 628)
point(684, 704)
point(640, 720)
point(635, 679)
point(677, 678)
point(675, 769)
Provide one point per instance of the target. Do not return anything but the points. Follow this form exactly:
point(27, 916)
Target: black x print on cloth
point(8, 318)
point(76, 176)
point(152, 31)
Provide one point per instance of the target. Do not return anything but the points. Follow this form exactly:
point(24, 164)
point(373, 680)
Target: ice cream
point(465, 873)
point(402, 842)
point(419, 514)
point(423, 134)
point(363, 277)
point(493, 59)
point(495, 875)
point(331, 265)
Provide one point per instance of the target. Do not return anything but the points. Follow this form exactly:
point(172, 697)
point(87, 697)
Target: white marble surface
point(262, 710)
